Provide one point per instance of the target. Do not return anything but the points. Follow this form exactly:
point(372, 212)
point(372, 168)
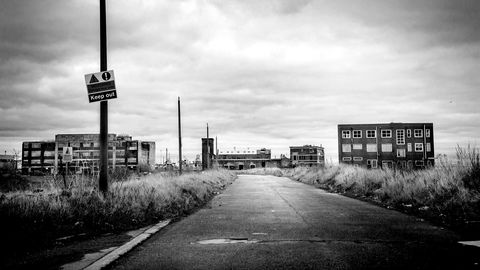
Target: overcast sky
point(261, 73)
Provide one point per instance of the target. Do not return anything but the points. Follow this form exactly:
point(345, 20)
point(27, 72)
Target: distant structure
point(7, 162)
point(399, 145)
point(46, 156)
point(240, 159)
point(307, 155)
point(207, 153)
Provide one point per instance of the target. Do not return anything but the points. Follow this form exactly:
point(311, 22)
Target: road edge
point(112, 256)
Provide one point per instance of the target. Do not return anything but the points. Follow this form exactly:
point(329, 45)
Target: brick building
point(46, 156)
point(240, 159)
point(400, 145)
point(8, 162)
point(307, 155)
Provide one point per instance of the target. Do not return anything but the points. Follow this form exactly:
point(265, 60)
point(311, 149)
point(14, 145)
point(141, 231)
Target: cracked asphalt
point(268, 222)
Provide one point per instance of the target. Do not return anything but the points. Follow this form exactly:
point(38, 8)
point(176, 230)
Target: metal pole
point(179, 141)
point(103, 179)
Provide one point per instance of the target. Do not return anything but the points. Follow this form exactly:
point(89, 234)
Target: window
point(409, 133)
point(36, 145)
point(372, 163)
point(427, 133)
point(400, 136)
point(386, 133)
point(48, 161)
point(428, 146)
point(371, 133)
point(418, 133)
point(357, 134)
point(386, 147)
point(35, 153)
point(418, 162)
point(347, 159)
point(387, 164)
point(401, 153)
point(295, 157)
point(418, 147)
point(35, 161)
point(25, 153)
point(49, 154)
point(346, 134)
point(357, 158)
point(409, 147)
point(371, 147)
point(357, 146)
point(346, 148)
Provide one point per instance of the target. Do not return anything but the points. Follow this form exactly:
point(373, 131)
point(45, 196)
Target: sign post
point(103, 176)
point(66, 158)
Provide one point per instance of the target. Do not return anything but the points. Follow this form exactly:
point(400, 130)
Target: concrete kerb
point(116, 253)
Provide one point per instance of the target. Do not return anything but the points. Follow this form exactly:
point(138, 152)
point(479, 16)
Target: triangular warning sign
point(93, 79)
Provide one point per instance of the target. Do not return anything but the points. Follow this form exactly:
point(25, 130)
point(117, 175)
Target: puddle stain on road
point(232, 240)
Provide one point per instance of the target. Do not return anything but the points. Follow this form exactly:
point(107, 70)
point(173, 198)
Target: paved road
point(267, 222)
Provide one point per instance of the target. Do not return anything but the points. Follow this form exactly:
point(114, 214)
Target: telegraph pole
point(179, 140)
point(103, 179)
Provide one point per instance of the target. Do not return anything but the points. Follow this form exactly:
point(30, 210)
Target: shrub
point(39, 217)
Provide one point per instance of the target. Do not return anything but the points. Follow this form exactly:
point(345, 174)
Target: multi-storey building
point(8, 162)
point(240, 159)
point(38, 156)
point(307, 155)
point(400, 145)
point(122, 152)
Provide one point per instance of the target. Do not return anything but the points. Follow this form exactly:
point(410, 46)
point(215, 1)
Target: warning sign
point(101, 86)
point(67, 154)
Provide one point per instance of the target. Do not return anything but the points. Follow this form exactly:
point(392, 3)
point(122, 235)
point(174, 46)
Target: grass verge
point(448, 194)
point(35, 218)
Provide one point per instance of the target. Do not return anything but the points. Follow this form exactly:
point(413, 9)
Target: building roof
point(242, 151)
point(306, 146)
point(385, 124)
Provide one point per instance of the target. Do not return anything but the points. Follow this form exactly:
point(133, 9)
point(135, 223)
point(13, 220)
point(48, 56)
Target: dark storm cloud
point(262, 73)
point(45, 31)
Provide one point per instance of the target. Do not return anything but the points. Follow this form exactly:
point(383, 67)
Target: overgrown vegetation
point(35, 217)
point(448, 194)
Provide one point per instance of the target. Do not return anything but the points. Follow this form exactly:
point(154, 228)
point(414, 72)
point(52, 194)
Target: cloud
point(261, 73)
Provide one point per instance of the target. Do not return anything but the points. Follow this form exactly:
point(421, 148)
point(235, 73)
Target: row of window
point(385, 133)
point(373, 163)
point(385, 147)
point(311, 157)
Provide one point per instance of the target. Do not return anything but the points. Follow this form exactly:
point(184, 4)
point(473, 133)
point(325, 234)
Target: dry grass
point(35, 216)
point(449, 193)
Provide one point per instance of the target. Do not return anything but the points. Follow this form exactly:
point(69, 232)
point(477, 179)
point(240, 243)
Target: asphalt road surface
point(267, 222)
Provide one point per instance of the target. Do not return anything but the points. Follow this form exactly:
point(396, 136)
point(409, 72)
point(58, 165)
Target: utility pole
point(103, 179)
point(179, 140)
